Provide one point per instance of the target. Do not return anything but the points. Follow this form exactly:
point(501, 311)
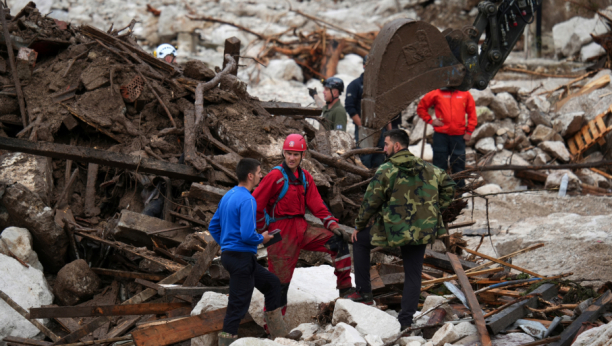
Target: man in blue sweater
point(233, 227)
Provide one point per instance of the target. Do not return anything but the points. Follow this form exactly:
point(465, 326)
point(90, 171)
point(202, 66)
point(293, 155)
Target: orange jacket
point(451, 107)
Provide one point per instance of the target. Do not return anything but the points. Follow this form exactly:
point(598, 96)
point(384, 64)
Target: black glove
point(312, 92)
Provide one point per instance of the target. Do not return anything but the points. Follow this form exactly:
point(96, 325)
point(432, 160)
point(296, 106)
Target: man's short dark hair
point(246, 166)
point(398, 136)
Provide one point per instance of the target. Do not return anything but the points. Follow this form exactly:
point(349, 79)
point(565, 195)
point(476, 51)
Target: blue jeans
point(453, 147)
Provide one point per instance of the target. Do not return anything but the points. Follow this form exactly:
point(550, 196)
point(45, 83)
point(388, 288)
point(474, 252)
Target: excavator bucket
point(408, 59)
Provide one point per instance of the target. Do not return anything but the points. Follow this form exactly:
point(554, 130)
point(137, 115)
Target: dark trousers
point(445, 146)
point(245, 275)
point(375, 160)
point(412, 256)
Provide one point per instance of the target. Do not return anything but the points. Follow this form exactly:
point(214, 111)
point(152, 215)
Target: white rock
point(488, 189)
point(505, 106)
point(286, 69)
point(210, 301)
point(309, 287)
point(486, 145)
point(591, 50)
point(464, 329)
point(289, 342)
point(351, 65)
point(19, 241)
point(392, 313)
point(570, 36)
point(599, 336)
point(428, 344)
point(254, 342)
point(556, 150)
point(444, 335)
point(486, 130)
point(539, 103)
point(512, 339)
point(408, 339)
point(567, 124)
point(369, 320)
point(307, 329)
point(28, 288)
point(554, 180)
point(482, 97)
point(345, 335)
point(484, 115)
point(374, 340)
point(416, 151)
point(432, 301)
point(417, 133)
point(33, 172)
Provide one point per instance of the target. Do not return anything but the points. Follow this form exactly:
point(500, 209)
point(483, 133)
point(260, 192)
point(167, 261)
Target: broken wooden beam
point(204, 260)
point(102, 157)
point(527, 249)
point(191, 291)
point(128, 275)
point(206, 193)
point(498, 261)
point(105, 310)
point(338, 162)
point(137, 228)
point(508, 316)
point(454, 277)
point(23, 341)
point(290, 109)
point(472, 301)
point(183, 329)
point(591, 314)
point(441, 261)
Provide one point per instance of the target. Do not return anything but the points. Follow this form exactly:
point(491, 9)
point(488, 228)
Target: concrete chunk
point(206, 193)
point(369, 320)
point(19, 241)
point(347, 335)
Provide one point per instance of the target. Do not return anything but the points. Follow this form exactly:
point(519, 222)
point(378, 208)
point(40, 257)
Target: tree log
point(339, 163)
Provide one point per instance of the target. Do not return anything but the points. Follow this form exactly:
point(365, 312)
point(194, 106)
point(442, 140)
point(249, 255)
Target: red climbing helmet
point(295, 142)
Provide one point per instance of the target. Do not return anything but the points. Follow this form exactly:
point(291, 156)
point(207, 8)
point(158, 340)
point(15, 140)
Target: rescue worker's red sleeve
point(424, 105)
point(315, 204)
point(264, 193)
point(470, 109)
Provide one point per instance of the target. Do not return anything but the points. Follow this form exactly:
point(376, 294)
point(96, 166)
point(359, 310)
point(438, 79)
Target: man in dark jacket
point(354, 93)
point(402, 207)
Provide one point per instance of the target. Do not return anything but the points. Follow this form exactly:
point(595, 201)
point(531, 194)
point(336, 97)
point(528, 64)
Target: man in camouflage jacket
point(402, 207)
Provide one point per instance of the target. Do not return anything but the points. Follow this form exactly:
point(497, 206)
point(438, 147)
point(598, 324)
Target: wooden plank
point(232, 47)
point(508, 316)
point(531, 175)
point(589, 315)
point(23, 341)
point(472, 301)
point(204, 261)
point(137, 299)
point(441, 261)
point(206, 193)
point(102, 157)
point(501, 292)
point(128, 275)
point(498, 261)
point(284, 108)
point(191, 291)
point(454, 277)
point(527, 249)
point(124, 326)
point(183, 329)
point(105, 310)
point(135, 227)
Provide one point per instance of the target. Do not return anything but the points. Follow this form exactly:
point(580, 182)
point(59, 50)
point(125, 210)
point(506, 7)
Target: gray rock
point(486, 145)
point(528, 155)
point(591, 50)
point(486, 130)
point(210, 301)
point(556, 150)
point(541, 158)
point(539, 118)
point(567, 124)
point(33, 172)
point(542, 133)
point(571, 35)
point(482, 98)
point(538, 103)
point(591, 178)
point(76, 283)
point(505, 106)
point(511, 87)
point(553, 181)
point(484, 115)
point(25, 209)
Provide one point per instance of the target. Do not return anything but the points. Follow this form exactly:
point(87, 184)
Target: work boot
point(276, 323)
point(225, 339)
point(358, 297)
point(343, 292)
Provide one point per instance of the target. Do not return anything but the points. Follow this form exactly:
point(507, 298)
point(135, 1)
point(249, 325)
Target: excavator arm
point(410, 58)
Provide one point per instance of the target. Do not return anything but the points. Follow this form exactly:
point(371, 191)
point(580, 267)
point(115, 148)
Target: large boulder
point(369, 320)
point(505, 179)
point(486, 130)
point(505, 106)
point(482, 98)
point(33, 172)
point(556, 150)
point(28, 288)
point(567, 124)
point(76, 283)
point(309, 288)
point(19, 241)
point(26, 209)
point(210, 301)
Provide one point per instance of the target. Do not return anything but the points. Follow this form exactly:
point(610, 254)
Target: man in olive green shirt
point(333, 111)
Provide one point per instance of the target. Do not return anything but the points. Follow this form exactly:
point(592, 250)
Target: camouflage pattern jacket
point(405, 199)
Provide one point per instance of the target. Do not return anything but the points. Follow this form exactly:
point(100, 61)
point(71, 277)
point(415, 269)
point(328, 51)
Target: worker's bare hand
point(266, 237)
point(357, 120)
point(354, 236)
point(437, 123)
point(467, 137)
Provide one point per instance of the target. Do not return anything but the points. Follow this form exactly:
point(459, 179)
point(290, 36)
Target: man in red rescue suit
point(285, 211)
point(450, 126)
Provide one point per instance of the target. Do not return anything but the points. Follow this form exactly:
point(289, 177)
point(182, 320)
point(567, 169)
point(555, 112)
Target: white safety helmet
point(163, 50)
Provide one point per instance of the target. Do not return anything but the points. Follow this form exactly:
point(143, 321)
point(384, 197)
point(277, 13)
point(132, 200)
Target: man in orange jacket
point(282, 197)
point(451, 128)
